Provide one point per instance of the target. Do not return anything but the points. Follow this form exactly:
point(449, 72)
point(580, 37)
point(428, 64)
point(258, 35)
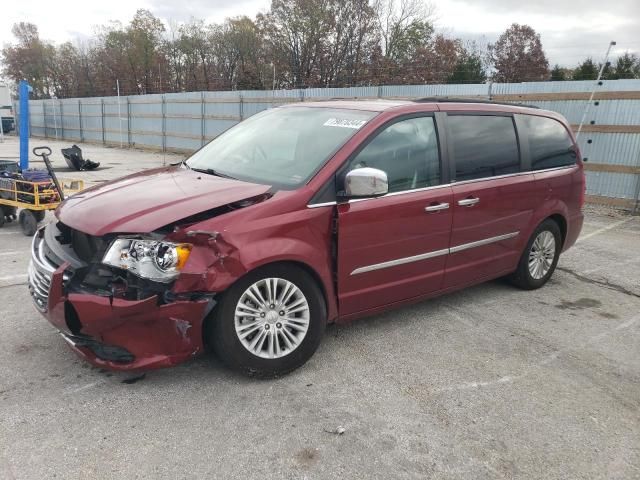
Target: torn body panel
point(156, 335)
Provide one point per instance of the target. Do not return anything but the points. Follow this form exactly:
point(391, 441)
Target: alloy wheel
point(272, 318)
point(542, 254)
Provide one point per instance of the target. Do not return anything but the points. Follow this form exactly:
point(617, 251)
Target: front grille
point(41, 268)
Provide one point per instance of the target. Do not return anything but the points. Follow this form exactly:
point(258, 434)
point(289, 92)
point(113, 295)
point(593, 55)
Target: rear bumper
point(114, 333)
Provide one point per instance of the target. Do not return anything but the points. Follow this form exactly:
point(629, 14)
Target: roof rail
point(468, 100)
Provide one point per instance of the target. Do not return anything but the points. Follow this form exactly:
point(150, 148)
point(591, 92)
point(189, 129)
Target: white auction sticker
point(344, 123)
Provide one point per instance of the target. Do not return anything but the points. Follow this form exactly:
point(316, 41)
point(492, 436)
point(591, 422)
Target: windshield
point(282, 146)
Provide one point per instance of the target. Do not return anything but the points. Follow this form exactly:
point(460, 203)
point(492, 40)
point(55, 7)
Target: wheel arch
point(305, 267)
point(562, 224)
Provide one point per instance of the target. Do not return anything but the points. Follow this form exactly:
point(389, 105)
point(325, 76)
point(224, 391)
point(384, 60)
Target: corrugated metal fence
point(183, 122)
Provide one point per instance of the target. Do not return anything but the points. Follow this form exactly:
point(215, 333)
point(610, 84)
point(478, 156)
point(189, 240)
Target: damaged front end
point(110, 314)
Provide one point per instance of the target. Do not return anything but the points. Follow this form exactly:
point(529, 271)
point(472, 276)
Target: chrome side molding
point(400, 261)
point(436, 253)
point(480, 243)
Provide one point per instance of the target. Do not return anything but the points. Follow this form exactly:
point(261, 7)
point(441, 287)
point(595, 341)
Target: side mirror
point(366, 182)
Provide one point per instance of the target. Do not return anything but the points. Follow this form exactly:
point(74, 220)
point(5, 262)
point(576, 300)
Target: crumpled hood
point(146, 201)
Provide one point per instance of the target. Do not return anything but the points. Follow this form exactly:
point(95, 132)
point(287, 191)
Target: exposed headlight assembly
point(151, 259)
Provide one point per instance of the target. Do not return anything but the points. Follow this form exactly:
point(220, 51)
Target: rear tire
point(540, 257)
point(267, 335)
point(28, 222)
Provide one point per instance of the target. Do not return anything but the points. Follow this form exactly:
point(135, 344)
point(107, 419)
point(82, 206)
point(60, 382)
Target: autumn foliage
point(296, 44)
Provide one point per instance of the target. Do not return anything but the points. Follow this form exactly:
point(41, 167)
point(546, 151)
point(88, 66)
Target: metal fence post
point(80, 120)
point(636, 205)
point(128, 122)
point(61, 119)
point(44, 118)
point(16, 117)
point(164, 124)
point(202, 121)
point(241, 106)
point(104, 140)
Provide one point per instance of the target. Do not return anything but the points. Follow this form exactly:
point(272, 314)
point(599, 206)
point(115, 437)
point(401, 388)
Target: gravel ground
point(490, 382)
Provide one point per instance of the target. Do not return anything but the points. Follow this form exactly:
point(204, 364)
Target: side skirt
point(413, 300)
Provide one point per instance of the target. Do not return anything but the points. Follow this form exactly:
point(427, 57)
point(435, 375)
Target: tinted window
point(483, 146)
point(407, 151)
point(549, 143)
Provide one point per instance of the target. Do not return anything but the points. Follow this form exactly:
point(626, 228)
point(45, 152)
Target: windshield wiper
point(211, 171)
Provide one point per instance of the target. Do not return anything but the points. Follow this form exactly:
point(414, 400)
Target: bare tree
point(404, 26)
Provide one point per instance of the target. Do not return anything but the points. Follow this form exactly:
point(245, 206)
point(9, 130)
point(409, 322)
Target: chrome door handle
point(436, 208)
point(468, 202)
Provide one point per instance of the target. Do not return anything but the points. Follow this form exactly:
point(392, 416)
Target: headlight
point(158, 261)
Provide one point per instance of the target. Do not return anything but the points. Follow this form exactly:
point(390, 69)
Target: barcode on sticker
point(344, 123)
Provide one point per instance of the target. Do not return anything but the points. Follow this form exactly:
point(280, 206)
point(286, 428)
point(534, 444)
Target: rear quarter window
point(550, 145)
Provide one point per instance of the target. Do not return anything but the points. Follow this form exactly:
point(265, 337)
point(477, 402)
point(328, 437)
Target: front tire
point(270, 322)
point(540, 257)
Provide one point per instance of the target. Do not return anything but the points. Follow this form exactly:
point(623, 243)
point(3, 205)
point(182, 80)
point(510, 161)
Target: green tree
point(627, 66)
point(469, 69)
point(587, 70)
point(558, 74)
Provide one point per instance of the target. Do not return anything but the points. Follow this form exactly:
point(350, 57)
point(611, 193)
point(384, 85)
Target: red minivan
point(303, 215)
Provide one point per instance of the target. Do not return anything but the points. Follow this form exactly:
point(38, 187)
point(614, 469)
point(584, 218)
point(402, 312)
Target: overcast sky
point(570, 29)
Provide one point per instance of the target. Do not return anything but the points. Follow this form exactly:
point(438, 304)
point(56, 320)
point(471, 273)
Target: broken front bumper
point(112, 332)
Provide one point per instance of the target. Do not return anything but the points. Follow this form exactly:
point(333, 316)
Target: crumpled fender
point(220, 258)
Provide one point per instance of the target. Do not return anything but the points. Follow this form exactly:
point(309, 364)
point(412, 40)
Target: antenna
point(595, 87)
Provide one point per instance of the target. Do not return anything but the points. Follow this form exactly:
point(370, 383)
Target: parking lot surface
point(490, 382)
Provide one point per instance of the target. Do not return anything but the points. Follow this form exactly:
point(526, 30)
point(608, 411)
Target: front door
point(395, 247)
